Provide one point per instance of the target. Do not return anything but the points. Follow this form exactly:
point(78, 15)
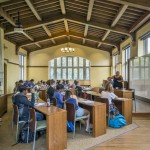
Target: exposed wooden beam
point(66, 25)
point(7, 16)
point(90, 8)
point(37, 44)
point(28, 36)
point(73, 35)
point(83, 40)
point(48, 33)
point(76, 19)
point(33, 25)
point(100, 43)
point(104, 37)
point(140, 22)
point(95, 24)
point(141, 4)
point(62, 6)
point(31, 6)
point(86, 30)
point(118, 16)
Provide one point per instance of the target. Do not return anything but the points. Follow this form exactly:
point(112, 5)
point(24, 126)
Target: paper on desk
point(88, 102)
point(40, 104)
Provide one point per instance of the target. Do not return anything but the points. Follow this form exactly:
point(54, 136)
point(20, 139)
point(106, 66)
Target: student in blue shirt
point(59, 96)
point(79, 111)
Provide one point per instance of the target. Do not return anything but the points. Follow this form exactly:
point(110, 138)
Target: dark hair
point(67, 94)
point(20, 81)
point(22, 88)
point(59, 87)
point(32, 80)
point(52, 82)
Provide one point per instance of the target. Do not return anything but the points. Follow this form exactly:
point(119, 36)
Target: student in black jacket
point(23, 104)
point(51, 90)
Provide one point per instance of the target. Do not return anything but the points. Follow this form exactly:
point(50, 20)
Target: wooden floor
point(138, 139)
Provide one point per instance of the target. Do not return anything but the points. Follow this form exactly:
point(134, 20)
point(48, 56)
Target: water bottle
point(48, 102)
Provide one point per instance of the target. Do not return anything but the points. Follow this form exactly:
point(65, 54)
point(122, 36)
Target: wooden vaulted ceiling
point(100, 24)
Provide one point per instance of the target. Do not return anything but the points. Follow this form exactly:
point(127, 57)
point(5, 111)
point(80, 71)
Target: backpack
point(117, 122)
point(24, 132)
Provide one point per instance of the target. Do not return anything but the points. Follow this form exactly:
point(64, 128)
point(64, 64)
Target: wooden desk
point(124, 105)
point(3, 105)
point(56, 134)
point(97, 116)
point(43, 95)
point(93, 94)
point(125, 108)
point(123, 93)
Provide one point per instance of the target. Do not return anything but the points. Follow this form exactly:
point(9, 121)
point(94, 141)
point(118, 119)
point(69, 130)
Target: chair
point(54, 101)
point(71, 116)
point(105, 100)
point(35, 126)
point(15, 119)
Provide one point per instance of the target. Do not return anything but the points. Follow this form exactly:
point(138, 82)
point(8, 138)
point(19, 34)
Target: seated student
point(26, 83)
point(59, 96)
point(67, 84)
point(74, 84)
point(31, 83)
point(38, 86)
point(23, 104)
point(79, 89)
point(51, 90)
point(79, 111)
point(109, 93)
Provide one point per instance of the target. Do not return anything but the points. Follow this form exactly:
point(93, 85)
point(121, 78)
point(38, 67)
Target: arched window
point(69, 68)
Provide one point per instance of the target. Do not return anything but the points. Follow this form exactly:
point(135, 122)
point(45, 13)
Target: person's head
point(109, 87)
point(52, 83)
point(109, 79)
point(68, 94)
point(67, 81)
point(23, 90)
point(32, 80)
point(59, 87)
point(75, 82)
point(20, 82)
point(117, 73)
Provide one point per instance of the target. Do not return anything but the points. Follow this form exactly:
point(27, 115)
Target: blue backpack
point(117, 122)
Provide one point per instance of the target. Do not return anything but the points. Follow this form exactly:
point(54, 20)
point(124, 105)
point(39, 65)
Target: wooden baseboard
point(144, 114)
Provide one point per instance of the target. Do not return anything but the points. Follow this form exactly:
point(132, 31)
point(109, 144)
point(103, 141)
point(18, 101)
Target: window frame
point(21, 66)
point(78, 67)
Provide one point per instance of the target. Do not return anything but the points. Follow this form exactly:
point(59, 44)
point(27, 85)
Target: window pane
point(135, 73)
point(75, 73)
point(81, 73)
point(64, 61)
point(148, 45)
point(87, 74)
point(136, 62)
point(52, 73)
point(142, 61)
point(69, 73)
point(64, 73)
point(58, 73)
point(146, 73)
point(70, 61)
point(80, 62)
point(87, 63)
point(52, 63)
point(58, 62)
point(75, 61)
point(147, 61)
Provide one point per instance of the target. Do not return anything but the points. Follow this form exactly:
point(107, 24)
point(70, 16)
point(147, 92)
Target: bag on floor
point(24, 132)
point(117, 122)
point(70, 126)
